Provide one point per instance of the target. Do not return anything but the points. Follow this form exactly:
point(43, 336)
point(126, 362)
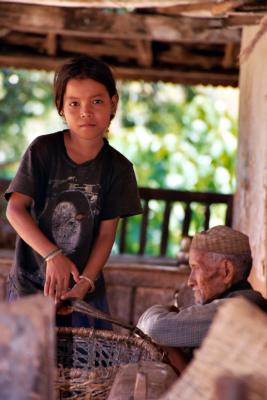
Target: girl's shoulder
point(118, 158)
point(47, 140)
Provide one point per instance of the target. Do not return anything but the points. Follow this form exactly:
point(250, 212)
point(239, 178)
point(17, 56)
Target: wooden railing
point(170, 198)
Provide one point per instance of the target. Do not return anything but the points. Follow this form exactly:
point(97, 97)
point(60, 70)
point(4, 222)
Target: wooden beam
point(180, 55)
point(241, 19)
point(30, 40)
point(117, 48)
point(182, 4)
point(144, 53)
point(207, 8)
point(51, 44)
point(195, 77)
point(230, 58)
point(204, 57)
point(103, 24)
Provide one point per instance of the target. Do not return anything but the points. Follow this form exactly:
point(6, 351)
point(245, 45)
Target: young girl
point(69, 192)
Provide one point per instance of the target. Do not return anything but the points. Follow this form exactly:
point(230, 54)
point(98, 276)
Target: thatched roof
point(187, 41)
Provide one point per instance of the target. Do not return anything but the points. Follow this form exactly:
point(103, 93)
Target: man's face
point(206, 277)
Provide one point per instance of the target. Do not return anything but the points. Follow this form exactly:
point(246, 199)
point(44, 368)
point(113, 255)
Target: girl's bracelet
point(52, 254)
point(92, 283)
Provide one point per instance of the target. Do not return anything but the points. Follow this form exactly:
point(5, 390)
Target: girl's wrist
point(85, 279)
point(52, 254)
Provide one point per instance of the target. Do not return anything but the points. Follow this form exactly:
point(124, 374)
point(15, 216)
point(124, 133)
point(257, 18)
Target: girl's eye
point(74, 104)
point(98, 101)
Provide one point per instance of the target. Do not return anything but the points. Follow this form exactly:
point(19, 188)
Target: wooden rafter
point(128, 73)
point(178, 40)
point(182, 5)
point(99, 23)
point(144, 53)
point(51, 43)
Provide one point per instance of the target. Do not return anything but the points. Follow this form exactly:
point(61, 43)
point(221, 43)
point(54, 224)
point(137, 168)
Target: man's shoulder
point(252, 295)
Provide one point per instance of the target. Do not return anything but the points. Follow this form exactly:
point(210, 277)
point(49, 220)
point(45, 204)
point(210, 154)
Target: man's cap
point(223, 240)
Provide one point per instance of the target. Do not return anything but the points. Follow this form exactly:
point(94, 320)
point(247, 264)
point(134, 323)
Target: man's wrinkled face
point(206, 277)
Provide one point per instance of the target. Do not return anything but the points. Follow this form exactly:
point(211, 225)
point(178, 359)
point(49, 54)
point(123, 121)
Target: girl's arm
point(97, 259)
point(59, 268)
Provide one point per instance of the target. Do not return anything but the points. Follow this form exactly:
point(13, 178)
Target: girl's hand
point(79, 290)
point(58, 271)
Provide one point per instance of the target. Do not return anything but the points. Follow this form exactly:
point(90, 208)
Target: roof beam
point(149, 74)
point(181, 5)
point(105, 24)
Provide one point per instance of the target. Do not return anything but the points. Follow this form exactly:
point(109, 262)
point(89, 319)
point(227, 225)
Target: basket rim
point(146, 345)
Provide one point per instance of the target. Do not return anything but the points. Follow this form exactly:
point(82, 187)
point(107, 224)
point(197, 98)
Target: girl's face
point(87, 108)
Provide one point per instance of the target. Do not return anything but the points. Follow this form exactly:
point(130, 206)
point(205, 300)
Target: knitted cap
point(223, 240)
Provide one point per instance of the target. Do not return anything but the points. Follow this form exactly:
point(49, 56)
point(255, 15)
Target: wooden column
point(250, 208)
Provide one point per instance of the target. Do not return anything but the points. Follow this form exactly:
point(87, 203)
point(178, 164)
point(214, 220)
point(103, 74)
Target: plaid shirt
point(189, 326)
point(185, 328)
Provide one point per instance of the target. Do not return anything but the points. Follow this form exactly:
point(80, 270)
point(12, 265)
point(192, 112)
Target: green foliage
point(24, 95)
point(178, 137)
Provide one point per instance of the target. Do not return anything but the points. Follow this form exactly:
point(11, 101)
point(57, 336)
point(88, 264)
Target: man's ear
point(228, 271)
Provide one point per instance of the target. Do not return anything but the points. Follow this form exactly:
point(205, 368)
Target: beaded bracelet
point(92, 283)
point(52, 254)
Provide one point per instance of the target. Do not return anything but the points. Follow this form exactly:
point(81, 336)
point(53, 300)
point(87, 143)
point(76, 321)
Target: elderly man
point(220, 262)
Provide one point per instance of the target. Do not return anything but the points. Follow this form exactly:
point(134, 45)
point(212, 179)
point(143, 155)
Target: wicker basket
point(88, 359)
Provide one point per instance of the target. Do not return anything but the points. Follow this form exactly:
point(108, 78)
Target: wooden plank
point(250, 207)
point(144, 53)
point(123, 232)
point(183, 4)
point(143, 231)
point(99, 48)
point(230, 56)
point(119, 308)
point(207, 217)
point(140, 275)
point(100, 23)
point(187, 219)
point(51, 44)
point(191, 56)
point(179, 76)
point(165, 229)
point(143, 380)
point(241, 19)
point(199, 8)
point(139, 50)
point(162, 73)
point(185, 196)
point(147, 297)
point(229, 212)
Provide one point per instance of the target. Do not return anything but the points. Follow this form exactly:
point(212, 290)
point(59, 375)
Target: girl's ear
point(114, 104)
point(228, 271)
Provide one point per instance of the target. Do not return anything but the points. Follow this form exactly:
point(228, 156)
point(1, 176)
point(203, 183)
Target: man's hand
point(58, 271)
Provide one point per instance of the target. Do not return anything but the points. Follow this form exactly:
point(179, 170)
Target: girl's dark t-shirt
point(69, 202)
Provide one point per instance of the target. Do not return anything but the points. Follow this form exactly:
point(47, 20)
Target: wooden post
point(250, 207)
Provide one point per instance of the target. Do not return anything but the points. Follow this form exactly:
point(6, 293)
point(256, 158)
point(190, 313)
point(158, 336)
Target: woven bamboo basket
point(88, 359)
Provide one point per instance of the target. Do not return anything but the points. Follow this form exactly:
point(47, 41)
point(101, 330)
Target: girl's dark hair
point(82, 67)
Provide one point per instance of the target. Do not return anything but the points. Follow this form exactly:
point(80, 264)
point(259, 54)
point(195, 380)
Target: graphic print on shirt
point(71, 208)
